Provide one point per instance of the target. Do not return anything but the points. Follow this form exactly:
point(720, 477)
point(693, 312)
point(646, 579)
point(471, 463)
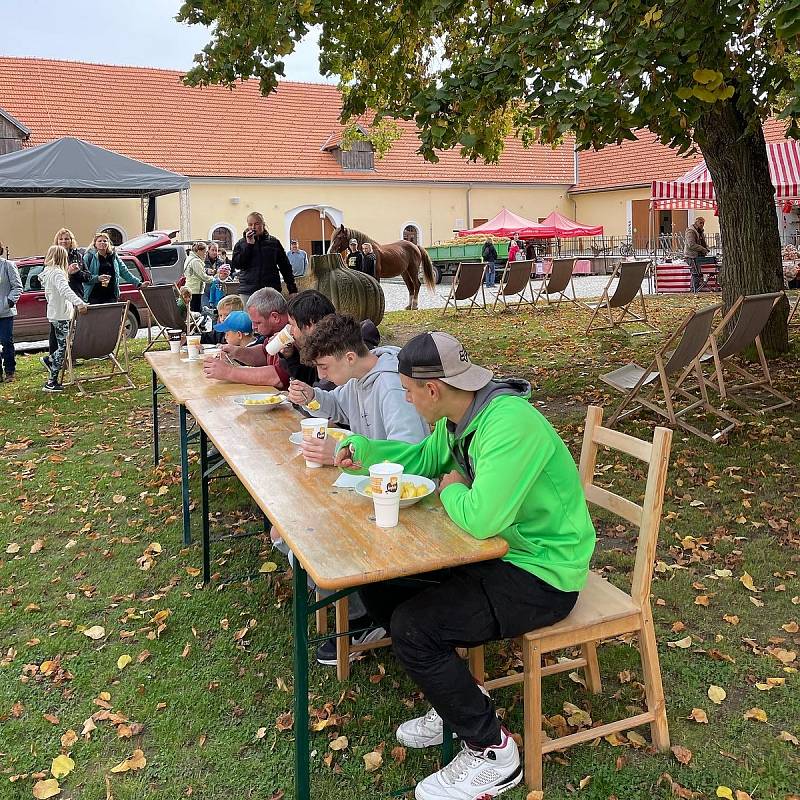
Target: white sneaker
point(475, 774)
point(425, 731)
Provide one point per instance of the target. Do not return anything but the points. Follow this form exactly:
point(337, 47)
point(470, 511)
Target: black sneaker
point(326, 652)
point(45, 362)
point(52, 386)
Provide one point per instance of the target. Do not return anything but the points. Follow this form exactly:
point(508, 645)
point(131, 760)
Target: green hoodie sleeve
point(506, 467)
point(430, 457)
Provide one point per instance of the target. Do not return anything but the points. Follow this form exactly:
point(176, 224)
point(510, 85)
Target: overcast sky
point(136, 32)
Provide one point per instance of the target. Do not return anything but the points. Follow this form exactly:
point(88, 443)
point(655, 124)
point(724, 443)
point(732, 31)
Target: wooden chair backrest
point(468, 279)
point(753, 313)
point(97, 333)
point(560, 275)
point(631, 275)
point(646, 517)
point(516, 276)
point(162, 302)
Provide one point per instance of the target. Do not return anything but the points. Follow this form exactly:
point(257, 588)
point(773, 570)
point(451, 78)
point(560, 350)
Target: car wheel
point(131, 325)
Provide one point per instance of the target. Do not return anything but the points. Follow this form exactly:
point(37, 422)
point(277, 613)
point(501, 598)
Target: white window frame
point(118, 228)
point(234, 235)
point(413, 224)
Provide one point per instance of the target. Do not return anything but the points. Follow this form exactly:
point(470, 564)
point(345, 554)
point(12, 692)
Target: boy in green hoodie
point(504, 472)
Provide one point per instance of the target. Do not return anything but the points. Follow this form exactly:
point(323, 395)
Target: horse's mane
point(352, 233)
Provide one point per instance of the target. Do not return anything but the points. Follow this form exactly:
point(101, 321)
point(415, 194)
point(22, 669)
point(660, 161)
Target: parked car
point(151, 257)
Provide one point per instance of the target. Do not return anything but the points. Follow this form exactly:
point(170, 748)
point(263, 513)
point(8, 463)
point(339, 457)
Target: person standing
point(60, 301)
point(10, 292)
point(213, 263)
point(259, 260)
point(695, 246)
point(369, 261)
point(489, 255)
point(194, 271)
point(354, 258)
point(298, 259)
point(513, 248)
point(106, 272)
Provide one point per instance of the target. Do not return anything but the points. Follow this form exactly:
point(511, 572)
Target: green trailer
point(446, 257)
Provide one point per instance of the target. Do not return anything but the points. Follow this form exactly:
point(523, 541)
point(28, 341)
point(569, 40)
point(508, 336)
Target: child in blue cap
point(238, 329)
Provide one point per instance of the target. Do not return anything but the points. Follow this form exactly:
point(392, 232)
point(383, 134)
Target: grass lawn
point(206, 693)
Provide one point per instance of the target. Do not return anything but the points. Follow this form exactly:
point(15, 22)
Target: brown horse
point(398, 258)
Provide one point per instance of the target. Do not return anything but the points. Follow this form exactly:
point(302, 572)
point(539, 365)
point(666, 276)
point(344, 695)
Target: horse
point(401, 258)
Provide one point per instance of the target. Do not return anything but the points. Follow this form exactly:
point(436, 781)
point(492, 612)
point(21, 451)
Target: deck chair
point(556, 283)
point(674, 362)
point(629, 288)
point(467, 284)
point(516, 282)
point(753, 312)
point(791, 321)
point(602, 612)
point(98, 335)
point(162, 303)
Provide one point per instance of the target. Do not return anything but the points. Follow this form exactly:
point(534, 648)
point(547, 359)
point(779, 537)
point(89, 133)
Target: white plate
point(297, 436)
point(362, 485)
point(260, 407)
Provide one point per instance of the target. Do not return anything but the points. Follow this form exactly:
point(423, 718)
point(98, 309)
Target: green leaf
point(704, 94)
point(684, 92)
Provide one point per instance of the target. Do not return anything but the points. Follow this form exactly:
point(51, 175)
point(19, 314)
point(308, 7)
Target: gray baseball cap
point(440, 356)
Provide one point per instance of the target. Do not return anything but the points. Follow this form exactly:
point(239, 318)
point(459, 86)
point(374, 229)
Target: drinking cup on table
point(174, 340)
point(280, 340)
point(314, 428)
point(385, 485)
point(193, 347)
point(105, 280)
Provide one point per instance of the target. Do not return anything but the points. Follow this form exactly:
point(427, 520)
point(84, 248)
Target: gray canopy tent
point(69, 167)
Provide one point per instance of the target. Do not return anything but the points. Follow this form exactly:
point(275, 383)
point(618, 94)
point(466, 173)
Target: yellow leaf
point(69, 739)
point(707, 76)
point(340, 743)
point(193, 571)
point(123, 661)
point(791, 627)
point(62, 765)
point(716, 694)
point(757, 714)
point(701, 600)
point(747, 581)
point(135, 761)
point(698, 715)
point(95, 632)
point(636, 739)
point(372, 761)
point(682, 643)
point(119, 498)
point(584, 782)
point(785, 736)
point(45, 789)
point(731, 619)
point(725, 792)
point(268, 566)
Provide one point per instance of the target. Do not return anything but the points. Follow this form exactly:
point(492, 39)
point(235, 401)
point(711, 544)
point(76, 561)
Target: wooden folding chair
point(98, 335)
point(666, 374)
point(467, 284)
point(557, 283)
point(162, 303)
point(629, 289)
point(603, 611)
point(516, 282)
point(752, 313)
point(791, 322)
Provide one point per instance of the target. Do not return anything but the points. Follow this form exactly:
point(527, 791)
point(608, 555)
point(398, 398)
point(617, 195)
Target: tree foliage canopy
point(469, 72)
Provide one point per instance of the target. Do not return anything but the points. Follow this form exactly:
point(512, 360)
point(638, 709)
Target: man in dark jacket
point(695, 246)
point(489, 254)
point(260, 260)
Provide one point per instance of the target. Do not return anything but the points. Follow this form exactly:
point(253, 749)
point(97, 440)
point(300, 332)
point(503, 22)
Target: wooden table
point(330, 531)
point(185, 379)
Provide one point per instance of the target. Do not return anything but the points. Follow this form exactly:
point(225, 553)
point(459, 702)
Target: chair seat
point(625, 378)
point(599, 602)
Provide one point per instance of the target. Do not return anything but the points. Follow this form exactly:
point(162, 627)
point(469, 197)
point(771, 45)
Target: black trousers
point(196, 303)
point(697, 275)
point(431, 615)
point(53, 344)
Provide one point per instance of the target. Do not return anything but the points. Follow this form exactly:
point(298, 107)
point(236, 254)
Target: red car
point(152, 257)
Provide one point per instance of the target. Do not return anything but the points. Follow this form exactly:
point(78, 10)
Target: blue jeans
point(490, 269)
point(7, 343)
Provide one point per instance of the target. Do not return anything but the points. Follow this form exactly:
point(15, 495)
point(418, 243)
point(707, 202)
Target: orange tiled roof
point(638, 163)
point(150, 115)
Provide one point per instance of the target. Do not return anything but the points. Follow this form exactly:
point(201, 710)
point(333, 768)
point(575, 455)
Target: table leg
point(301, 759)
point(155, 419)
point(204, 510)
point(187, 522)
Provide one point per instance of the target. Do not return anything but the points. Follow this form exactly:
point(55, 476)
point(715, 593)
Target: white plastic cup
point(385, 482)
point(314, 428)
point(174, 340)
point(280, 340)
point(193, 347)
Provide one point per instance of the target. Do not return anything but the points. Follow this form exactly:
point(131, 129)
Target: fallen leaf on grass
point(740, 795)
point(584, 782)
point(119, 498)
point(62, 765)
point(731, 619)
point(683, 754)
point(747, 581)
point(88, 727)
point(770, 684)
point(37, 546)
point(757, 714)
point(261, 733)
point(95, 632)
point(123, 661)
point(372, 761)
point(268, 566)
point(285, 722)
point(135, 761)
point(682, 643)
point(399, 754)
point(636, 739)
point(44, 789)
point(785, 736)
point(51, 718)
point(791, 627)
point(69, 739)
point(193, 571)
point(724, 792)
point(339, 743)
point(12, 549)
point(716, 694)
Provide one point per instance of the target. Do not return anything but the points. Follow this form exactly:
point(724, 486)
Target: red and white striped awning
point(696, 190)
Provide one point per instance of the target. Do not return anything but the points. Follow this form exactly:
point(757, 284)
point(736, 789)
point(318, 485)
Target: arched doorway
point(307, 229)
point(411, 233)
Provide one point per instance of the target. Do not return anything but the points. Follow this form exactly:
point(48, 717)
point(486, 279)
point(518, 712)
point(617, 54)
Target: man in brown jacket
point(695, 246)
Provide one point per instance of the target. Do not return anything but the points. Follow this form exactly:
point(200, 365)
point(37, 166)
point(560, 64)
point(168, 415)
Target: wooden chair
point(162, 303)
point(557, 283)
point(629, 289)
point(516, 282)
point(98, 335)
point(751, 313)
point(467, 283)
point(791, 321)
point(674, 362)
point(603, 611)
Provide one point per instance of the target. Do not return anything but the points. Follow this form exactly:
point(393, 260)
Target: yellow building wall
point(379, 210)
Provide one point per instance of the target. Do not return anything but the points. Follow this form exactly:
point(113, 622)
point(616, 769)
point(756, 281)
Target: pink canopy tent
point(504, 224)
point(557, 226)
point(695, 189)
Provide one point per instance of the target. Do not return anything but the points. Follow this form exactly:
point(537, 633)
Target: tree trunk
point(739, 166)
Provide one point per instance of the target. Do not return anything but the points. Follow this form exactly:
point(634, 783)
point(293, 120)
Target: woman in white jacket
point(195, 271)
point(60, 302)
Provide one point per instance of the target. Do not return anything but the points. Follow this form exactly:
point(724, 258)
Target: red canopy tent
point(504, 224)
point(557, 226)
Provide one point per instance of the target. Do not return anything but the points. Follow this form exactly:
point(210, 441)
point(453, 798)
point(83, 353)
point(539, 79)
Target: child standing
point(60, 301)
